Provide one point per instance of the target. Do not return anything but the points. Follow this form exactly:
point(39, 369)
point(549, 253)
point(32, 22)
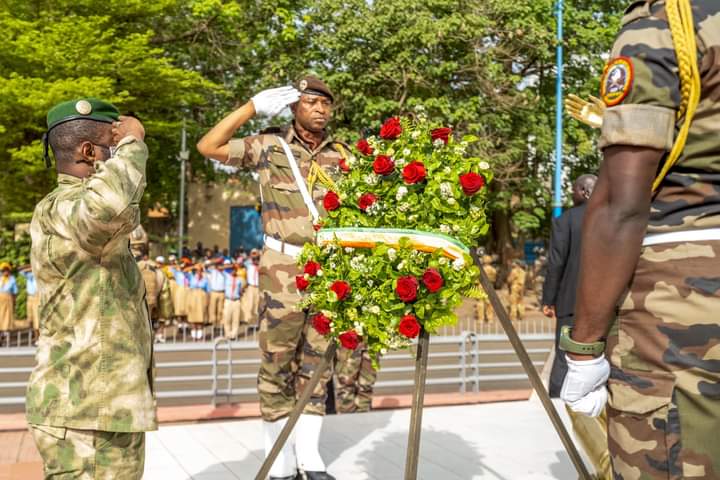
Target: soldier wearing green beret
point(288, 160)
point(90, 397)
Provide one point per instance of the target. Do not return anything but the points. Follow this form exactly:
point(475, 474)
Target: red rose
point(349, 339)
point(331, 201)
point(471, 183)
point(342, 289)
point(366, 200)
point(442, 134)
point(343, 165)
point(317, 226)
point(414, 172)
point(432, 279)
point(312, 268)
point(301, 283)
point(383, 165)
point(321, 323)
point(407, 288)
point(391, 129)
point(409, 326)
point(364, 147)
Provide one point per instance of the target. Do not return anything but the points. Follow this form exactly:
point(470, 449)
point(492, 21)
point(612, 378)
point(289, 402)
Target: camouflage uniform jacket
point(284, 213)
point(689, 197)
point(94, 356)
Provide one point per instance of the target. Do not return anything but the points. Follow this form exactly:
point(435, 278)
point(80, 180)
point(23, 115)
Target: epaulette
point(637, 9)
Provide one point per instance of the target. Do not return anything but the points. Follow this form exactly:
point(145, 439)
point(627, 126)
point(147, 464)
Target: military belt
point(685, 236)
point(282, 247)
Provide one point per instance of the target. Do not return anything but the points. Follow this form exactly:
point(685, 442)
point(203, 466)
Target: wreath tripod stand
point(421, 361)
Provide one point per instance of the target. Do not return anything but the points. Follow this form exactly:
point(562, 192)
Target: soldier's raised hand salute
point(274, 100)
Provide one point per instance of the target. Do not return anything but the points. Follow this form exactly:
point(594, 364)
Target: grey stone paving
point(500, 441)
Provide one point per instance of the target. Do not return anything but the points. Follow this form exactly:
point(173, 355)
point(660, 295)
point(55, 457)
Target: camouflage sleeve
point(109, 202)
point(245, 152)
point(640, 84)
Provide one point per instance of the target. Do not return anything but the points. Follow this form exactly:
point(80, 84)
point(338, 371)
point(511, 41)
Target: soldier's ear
point(88, 152)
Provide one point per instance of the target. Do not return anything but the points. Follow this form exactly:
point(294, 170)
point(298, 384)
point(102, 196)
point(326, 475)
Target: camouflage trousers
point(356, 377)
point(89, 454)
point(664, 407)
point(291, 348)
point(517, 304)
point(484, 311)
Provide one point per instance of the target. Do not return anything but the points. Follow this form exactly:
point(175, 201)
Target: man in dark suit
point(559, 301)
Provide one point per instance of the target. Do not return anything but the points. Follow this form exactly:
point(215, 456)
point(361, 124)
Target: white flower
point(383, 351)
point(375, 310)
point(392, 253)
point(415, 134)
point(445, 190)
point(390, 152)
point(447, 170)
point(443, 261)
point(439, 142)
point(451, 201)
point(403, 207)
point(371, 283)
point(371, 179)
point(401, 192)
point(406, 152)
point(306, 276)
point(484, 165)
point(400, 162)
point(458, 264)
point(456, 228)
point(319, 273)
point(401, 265)
point(349, 249)
point(444, 228)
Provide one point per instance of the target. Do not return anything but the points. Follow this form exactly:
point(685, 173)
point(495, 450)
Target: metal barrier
point(228, 374)
point(472, 372)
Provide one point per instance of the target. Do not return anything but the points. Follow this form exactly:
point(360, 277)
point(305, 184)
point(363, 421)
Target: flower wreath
point(392, 256)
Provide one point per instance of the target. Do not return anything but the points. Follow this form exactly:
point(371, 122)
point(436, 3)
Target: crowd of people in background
point(209, 290)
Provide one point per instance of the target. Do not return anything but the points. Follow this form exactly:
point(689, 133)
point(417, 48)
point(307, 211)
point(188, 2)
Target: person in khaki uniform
point(232, 312)
point(216, 296)
point(516, 286)
point(31, 305)
point(483, 309)
point(90, 397)
point(8, 292)
point(355, 380)
point(287, 160)
point(251, 298)
point(197, 302)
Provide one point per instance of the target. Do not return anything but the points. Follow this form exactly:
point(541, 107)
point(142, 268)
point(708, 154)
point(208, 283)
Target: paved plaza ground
point(501, 441)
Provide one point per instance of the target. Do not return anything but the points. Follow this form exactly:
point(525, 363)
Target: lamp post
point(557, 190)
point(183, 156)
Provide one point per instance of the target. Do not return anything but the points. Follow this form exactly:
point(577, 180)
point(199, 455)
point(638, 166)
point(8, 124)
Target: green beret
point(312, 85)
point(82, 109)
point(79, 109)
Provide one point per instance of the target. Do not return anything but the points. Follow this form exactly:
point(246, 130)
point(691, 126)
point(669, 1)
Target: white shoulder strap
point(300, 181)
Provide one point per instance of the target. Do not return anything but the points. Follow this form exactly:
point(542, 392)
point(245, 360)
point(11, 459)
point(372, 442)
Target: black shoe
point(314, 476)
point(291, 477)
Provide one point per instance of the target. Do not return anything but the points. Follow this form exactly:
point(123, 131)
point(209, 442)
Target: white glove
point(273, 101)
point(584, 388)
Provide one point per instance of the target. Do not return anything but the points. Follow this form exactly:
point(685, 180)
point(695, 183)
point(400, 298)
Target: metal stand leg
point(297, 411)
point(413, 445)
point(532, 374)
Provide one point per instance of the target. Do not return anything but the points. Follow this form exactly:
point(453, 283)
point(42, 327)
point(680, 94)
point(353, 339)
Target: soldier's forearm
point(215, 142)
point(617, 214)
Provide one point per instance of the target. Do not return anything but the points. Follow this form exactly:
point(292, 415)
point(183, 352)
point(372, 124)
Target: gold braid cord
point(317, 174)
point(682, 28)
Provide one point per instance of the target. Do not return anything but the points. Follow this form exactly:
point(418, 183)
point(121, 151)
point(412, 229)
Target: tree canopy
point(483, 67)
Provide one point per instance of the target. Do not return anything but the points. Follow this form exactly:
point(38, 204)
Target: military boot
point(314, 476)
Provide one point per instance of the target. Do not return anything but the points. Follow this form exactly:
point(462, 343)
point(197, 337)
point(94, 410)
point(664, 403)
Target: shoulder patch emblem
point(617, 81)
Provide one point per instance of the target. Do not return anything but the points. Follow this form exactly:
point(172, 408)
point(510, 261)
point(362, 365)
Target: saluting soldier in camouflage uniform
point(356, 377)
point(284, 158)
point(483, 309)
point(655, 256)
point(90, 397)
